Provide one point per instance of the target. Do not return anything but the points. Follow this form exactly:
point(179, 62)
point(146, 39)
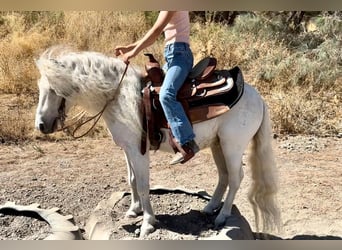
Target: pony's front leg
point(136, 207)
point(139, 179)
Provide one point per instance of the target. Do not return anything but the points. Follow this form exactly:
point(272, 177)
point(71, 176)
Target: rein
point(96, 117)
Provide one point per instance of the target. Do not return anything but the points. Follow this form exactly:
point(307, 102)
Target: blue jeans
point(179, 61)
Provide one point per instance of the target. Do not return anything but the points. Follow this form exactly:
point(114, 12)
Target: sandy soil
point(76, 175)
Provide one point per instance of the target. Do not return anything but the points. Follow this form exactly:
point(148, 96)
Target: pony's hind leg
point(235, 176)
point(222, 184)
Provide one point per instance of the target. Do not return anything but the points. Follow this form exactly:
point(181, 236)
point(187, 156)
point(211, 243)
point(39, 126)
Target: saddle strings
point(96, 117)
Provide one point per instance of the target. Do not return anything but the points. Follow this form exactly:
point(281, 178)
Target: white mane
point(91, 79)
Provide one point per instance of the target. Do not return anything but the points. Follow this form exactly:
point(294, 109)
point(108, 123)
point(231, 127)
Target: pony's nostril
point(41, 127)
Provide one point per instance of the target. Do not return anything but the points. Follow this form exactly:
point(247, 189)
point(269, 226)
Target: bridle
point(62, 115)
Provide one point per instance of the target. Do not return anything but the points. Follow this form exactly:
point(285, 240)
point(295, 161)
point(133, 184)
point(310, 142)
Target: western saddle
point(206, 94)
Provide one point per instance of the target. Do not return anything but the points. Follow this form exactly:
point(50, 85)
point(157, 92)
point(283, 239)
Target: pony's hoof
point(220, 221)
point(145, 230)
point(209, 210)
point(132, 214)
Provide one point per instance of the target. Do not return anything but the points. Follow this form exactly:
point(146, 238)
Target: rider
point(179, 62)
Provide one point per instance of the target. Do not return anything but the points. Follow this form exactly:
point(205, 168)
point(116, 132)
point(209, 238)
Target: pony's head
point(52, 104)
point(51, 108)
point(89, 80)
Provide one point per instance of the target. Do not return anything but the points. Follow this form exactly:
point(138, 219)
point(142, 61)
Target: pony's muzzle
point(45, 129)
point(41, 127)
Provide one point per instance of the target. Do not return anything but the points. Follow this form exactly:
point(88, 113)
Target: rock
point(236, 228)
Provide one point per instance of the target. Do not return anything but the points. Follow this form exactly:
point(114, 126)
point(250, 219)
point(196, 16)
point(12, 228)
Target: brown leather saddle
point(206, 94)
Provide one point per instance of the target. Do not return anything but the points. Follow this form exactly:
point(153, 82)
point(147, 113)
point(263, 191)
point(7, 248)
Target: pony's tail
point(262, 194)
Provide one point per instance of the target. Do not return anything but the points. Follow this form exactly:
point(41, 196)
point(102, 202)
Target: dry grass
point(101, 31)
point(17, 115)
point(298, 73)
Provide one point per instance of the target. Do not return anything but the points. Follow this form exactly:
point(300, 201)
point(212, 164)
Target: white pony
point(91, 80)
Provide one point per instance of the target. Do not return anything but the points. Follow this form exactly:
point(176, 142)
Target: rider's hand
point(125, 53)
point(119, 50)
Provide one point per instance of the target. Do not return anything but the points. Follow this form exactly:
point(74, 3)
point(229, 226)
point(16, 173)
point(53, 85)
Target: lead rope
point(96, 117)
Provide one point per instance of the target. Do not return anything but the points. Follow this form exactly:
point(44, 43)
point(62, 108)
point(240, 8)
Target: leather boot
point(186, 152)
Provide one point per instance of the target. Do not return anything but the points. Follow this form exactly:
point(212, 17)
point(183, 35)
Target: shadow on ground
point(297, 237)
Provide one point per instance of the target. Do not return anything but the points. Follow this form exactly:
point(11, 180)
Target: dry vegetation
point(296, 69)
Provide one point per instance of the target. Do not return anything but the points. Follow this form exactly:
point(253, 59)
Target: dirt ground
point(76, 175)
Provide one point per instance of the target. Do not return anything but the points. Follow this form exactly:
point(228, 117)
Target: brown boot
point(186, 152)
